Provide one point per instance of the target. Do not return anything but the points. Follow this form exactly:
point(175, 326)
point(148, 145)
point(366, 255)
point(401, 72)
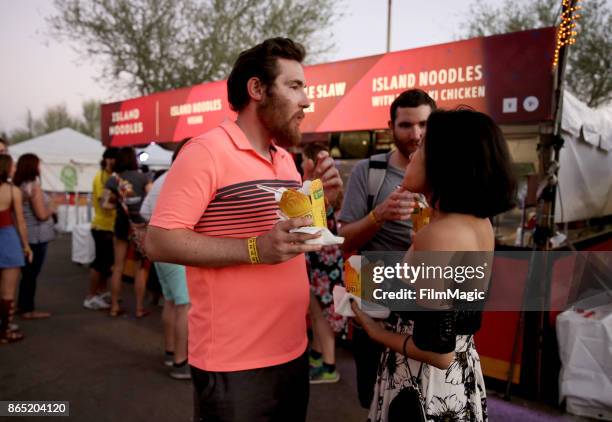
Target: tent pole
point(549, 151)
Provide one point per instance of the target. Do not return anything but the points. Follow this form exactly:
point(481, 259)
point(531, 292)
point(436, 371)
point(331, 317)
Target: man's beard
point(405, 150)
point(271, 112)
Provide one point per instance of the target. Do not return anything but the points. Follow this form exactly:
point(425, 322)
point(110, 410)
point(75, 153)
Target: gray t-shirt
point(393, 235)
point(39, 231)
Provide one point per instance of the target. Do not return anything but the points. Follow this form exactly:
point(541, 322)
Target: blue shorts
point(11, 250)
point(173, 282)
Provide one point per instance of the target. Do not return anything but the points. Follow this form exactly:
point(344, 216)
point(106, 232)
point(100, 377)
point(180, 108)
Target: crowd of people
point(26, 228)
point(247, 275)
point(123, 198)
point(241, 287)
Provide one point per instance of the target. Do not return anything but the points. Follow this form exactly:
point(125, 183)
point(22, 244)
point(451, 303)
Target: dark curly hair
point(411, 98)
point(259, 62)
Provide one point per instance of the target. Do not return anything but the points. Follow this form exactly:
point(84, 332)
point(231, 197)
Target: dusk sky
point(38, 71)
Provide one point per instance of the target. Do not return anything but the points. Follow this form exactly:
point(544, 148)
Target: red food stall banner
point(507, 76)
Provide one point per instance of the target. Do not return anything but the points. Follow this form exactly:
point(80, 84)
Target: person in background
point(174, 288)
point(464, 169)
point(144, 168)
point(125, 190)
point(38, 210)
point(14, 247)
point(246, 270)
point(102, 226)
point(324, 271)
point(375, 215)
point(3, 146)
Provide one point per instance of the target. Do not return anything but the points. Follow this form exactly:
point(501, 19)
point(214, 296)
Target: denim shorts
point(11, 250)
point(173, 282)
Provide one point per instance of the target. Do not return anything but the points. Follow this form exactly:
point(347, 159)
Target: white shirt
point(148, 205)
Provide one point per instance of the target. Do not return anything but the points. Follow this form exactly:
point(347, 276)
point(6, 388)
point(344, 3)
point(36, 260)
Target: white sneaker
point(106, 296)
point(90, 303)
point(102, 302)
point(95, 303)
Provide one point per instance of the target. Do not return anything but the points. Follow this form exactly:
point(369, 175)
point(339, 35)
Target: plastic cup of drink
point(420, 215)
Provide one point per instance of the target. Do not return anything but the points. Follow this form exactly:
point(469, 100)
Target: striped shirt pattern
point(242, 209)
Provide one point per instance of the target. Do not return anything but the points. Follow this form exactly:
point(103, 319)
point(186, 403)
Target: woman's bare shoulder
point(16, 191)
point(448, 234)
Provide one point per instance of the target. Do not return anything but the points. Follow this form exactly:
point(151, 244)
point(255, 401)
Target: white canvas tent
point(69, 162)
point(154, 156)
point(585, 167)
point(69, 159)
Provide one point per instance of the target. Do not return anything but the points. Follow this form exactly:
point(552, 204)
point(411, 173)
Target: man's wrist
point(252, 250)
point(375, 219)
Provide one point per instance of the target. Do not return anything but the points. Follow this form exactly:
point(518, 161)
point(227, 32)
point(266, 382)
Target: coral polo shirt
point(242, 316)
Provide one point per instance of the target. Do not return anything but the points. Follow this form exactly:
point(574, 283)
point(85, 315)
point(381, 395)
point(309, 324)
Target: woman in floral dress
point(463, 168)
point(325, 271)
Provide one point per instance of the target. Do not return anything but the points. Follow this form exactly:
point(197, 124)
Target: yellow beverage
point(420, 217)
point(317, 198)
point(352, 276)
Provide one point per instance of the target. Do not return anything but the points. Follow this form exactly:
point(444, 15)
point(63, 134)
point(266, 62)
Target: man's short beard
point(270, 112)
point(406, 151)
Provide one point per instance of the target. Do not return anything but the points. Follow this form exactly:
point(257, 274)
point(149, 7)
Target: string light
point(565, 33)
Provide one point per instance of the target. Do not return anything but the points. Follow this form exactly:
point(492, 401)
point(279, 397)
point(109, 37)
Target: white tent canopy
point(154, 156)
point(585, 167)
point(69, 159)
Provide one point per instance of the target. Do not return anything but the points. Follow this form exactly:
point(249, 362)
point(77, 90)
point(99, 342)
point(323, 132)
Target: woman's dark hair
point(412, 98)
point(126, 160)
point(110, 152)
point(467, 164)
point(27, 169)
point(6, 162)
point(259, 62)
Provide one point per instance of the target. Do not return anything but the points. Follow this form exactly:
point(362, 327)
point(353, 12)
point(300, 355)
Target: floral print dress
point(325, 271)
point(456, 394)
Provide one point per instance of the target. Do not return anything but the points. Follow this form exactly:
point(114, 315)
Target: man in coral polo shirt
point(246, 272)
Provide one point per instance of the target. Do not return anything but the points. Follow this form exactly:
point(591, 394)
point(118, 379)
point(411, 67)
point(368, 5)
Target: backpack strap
point(377, 168)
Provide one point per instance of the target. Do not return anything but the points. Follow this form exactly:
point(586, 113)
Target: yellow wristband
point(252, 247)
point(374, 219)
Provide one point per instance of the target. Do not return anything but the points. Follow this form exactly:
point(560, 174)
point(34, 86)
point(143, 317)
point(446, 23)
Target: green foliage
point(54, 118)
point(147, 46)
point(90, 119)
point(589, 66)
point(58, 117)
point(18, 135)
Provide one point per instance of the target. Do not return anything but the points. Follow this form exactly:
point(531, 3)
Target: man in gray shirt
point(380, 220)
point(386, 225)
